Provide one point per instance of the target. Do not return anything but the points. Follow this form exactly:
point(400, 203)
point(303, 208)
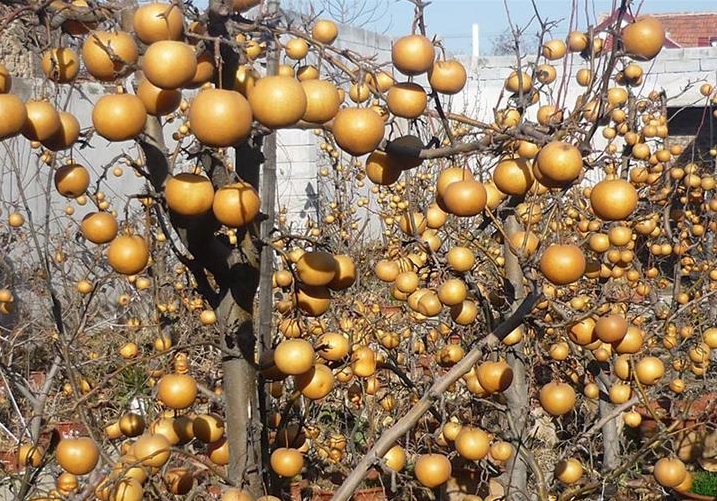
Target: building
point(696, 34)
point(690, 29)
point(682, 29)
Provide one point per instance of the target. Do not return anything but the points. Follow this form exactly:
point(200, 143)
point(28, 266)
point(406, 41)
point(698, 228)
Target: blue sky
point(452, 19)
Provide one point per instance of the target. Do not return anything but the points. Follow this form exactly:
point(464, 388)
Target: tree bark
point(235, 271)
point(239, 383)
point(234, 268)
point(610, 437)
point(266, 270)
point(517, 394)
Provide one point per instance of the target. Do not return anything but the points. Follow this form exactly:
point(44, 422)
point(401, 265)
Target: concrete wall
point(679, 72)
point(671, 70)
point(364, 42)
point(298, 153)
point(297, 174)
point(34, 177)
point(299, 156)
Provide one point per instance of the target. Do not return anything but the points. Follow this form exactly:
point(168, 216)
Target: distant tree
point(374, 13)
point(504, 43)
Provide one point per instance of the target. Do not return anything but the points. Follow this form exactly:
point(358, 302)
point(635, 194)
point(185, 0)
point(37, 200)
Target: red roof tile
point(682, 29)
point(690, 29)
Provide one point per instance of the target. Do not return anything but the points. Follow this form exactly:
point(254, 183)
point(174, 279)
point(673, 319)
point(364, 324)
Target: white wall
point(299, 159)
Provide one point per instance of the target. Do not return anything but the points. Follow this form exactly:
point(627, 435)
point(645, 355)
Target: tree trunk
point(611, 446)
point(240, 394)
point(610, 437)
point(234, 268)
point(266, 301)
point(517, 394)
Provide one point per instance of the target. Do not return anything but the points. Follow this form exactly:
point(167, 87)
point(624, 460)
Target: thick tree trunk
point(517, 393)
point(240, 394)
point(610, 437)
point(266, 267)
point(234, 268)
point(517, 399)
point(235, 271)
